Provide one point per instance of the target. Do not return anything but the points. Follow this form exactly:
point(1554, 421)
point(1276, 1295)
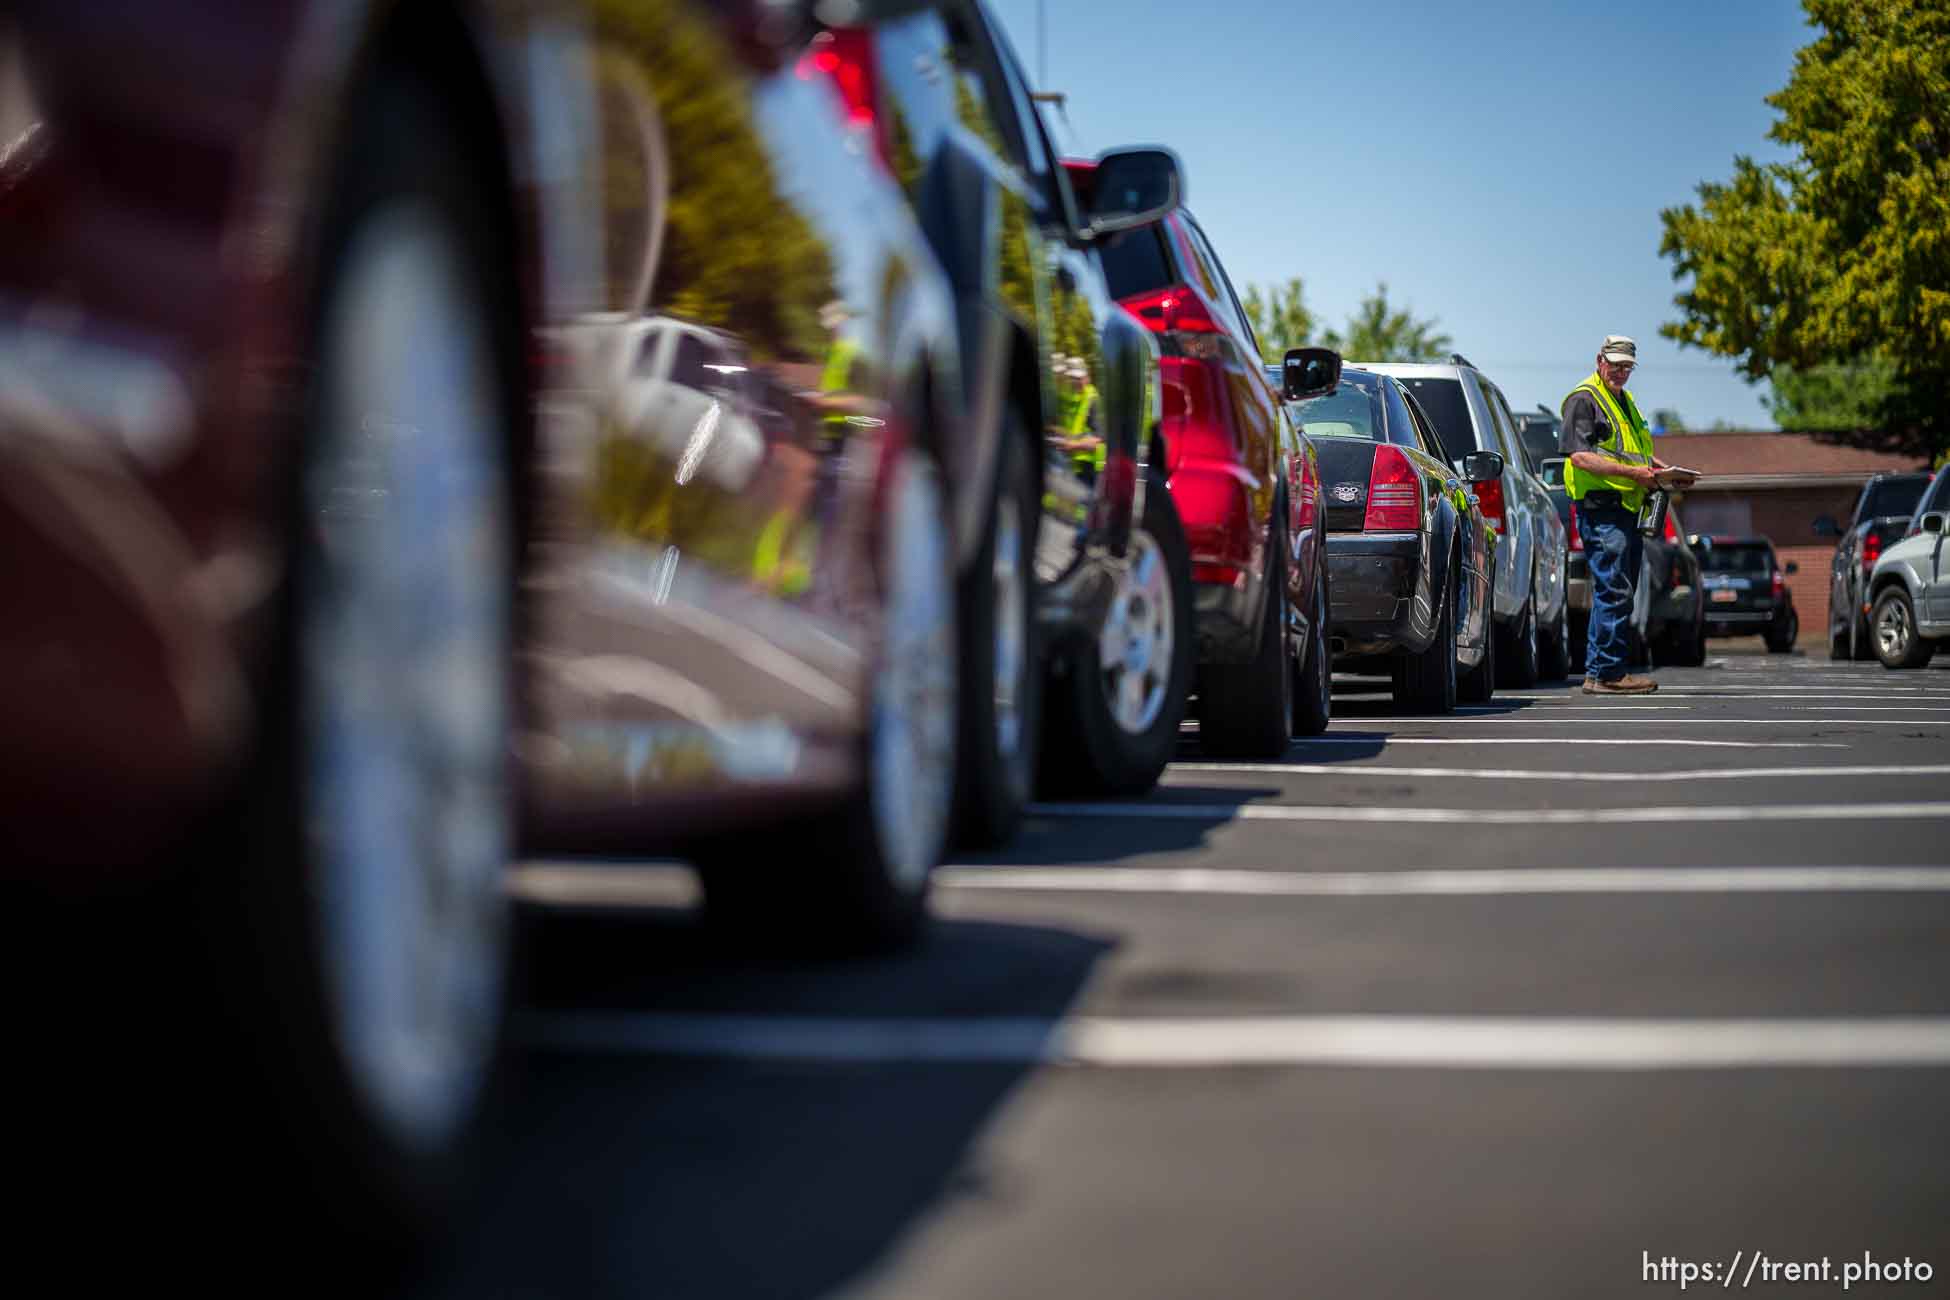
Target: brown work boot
point(1630, 684)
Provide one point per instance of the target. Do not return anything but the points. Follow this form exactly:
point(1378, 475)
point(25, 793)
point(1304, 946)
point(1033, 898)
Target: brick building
point(1776, 485)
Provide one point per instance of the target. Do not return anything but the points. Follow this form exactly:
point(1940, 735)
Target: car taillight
point(1780, 583)
point(1672, 533)
point(1394, 493)
point(1573, 539)
point(1176, 315)
point(1871, 550)
point(846, 55)
point(1489, 497)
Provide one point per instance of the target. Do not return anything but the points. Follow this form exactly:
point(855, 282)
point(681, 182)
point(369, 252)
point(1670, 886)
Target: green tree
point(1844, 251)
point(1375, 332)
point(1280, 318)
point(1834, 395)
point(1666, 418)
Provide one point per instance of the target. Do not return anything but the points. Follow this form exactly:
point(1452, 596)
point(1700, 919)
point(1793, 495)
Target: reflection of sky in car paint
point(1435, 146)
point(796, 117)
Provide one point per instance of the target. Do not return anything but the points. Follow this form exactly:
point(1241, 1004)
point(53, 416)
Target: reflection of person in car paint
point(838, 395)
point(1078, 403)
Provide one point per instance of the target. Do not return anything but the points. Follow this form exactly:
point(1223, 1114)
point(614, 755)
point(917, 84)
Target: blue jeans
point(1612, 547)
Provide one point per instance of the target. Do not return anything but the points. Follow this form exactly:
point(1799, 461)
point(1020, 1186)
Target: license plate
point(1724, 596)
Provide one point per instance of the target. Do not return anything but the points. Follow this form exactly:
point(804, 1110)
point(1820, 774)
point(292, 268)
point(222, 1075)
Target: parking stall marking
point(1373, 1041)
point(1532, 774)
point(1635, 706)
point(1504, 816)
point(1568, 740)
point(1450, 882)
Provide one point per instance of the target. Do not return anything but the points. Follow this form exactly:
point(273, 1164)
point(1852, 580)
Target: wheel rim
point(1136, 646)
point(912, 784)
point(1892, 629)
point(1011, 628)
point(405, 633)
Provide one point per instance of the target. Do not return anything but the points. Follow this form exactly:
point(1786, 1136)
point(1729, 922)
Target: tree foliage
point(1844, 251)
point(1835, 395)
point(1280, 318)
point(1375, 332)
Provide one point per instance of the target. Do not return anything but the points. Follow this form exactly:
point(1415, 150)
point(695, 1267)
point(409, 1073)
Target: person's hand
point(1646, 475)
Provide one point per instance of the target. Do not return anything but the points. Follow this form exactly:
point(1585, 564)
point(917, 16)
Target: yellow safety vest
point(1631, 444)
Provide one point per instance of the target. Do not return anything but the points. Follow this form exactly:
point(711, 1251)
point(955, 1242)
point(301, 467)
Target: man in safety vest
point(1608, 472)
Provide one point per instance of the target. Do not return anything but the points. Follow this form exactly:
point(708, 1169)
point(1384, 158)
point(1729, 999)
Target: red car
point(433, 433)
point(1245, 480)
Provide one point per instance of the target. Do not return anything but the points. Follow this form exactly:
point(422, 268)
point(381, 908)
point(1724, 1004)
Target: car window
point(1745, 558)
point(1137, 261)
point(1939, 497)
point(1515, 447)
point(688, 366)
point(1424, 427)
point(1443, 403)
point(1401, 425)
point(1352, 410)
point(1892, 496)
point(932, 79)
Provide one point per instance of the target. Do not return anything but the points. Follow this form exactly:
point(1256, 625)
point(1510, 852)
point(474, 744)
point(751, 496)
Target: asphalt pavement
point(1555, 997)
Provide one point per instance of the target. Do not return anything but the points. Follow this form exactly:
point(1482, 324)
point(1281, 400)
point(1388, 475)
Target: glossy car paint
point(1233, 452)
point(1849, 594)
point(701, 601)
point(1919, 562)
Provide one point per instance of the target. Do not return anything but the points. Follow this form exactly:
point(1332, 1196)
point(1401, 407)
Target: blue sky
point(1501, 165)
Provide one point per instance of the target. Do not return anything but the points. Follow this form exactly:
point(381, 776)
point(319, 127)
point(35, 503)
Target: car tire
point(361, 933)
point(1517, 656)
point(1090, 745)
point(1580, 637)
point(1898, 644)
point(1313, 688)
point(856, 879)
point(1002, 668)
point(1246, 710)
point(1555, 663)
point(1426, 682)
point(1781, 642)
point(1862, 642)
point(1691, 652)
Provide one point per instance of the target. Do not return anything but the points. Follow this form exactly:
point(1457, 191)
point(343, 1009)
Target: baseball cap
point(1618, 348)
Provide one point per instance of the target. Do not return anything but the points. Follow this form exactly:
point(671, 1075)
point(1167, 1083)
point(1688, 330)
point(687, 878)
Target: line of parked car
point(437, 434)
point(1889, 583)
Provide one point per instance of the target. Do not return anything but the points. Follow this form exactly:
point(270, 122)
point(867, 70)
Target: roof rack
point(1458, 359)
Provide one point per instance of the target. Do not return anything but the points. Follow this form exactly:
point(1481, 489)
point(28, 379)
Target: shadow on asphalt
point(633, 1176)
point(1051, 839)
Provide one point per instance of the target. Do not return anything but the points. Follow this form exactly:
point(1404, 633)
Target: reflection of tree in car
point(736, 253)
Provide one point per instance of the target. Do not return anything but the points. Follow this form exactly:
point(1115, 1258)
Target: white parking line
point(1460, 882)
point(1638, 706)
point(1531, 774)
point(1411, 1042)
point(1503, 816)
point(1637, 713)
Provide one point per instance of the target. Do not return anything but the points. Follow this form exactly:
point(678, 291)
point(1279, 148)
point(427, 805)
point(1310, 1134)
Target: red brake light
point(1489, 497)
point(1780, 583)
point(846, 55)
point(1672, 533)
point(1394, 493)
point(1574, 540)
point(1871, 550)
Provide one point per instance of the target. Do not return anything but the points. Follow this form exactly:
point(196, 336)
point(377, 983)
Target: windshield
point(1443, 402)
point(1353, 410)
point(1737, 557)
point(1894, 496)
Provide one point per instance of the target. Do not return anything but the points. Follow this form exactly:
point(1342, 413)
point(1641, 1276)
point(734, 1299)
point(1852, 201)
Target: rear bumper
point(1226, 619)
point(1225, 535)
point(1374, 580)
point(1577, 582)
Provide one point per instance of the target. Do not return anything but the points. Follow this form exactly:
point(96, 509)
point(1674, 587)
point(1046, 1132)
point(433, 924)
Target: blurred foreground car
point(1747, 592)
point(1909, 589)
point(1531, 617)
point(1882, 513)
point(1245, 481)
point(1076, 608)
point(1410, 551)
point(427, 432)
point(1674, 622)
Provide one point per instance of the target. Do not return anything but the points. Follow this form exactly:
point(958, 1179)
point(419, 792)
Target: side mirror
point(1792, 567)
point(1132, 188)
point(1482, 466)
point(1825, 526)
point(1692, 540)
point(1933, 522)
point(1309, 372)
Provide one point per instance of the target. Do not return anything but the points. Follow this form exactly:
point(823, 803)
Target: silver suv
point(1909, 589)
point(1531, 613)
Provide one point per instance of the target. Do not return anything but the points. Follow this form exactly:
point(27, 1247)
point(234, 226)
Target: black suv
point(1747, 592)
point(1881, 514)
point(1077, 576)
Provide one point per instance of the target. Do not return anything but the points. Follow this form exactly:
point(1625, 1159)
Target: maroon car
point(431, 432)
